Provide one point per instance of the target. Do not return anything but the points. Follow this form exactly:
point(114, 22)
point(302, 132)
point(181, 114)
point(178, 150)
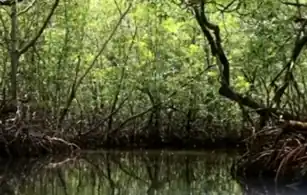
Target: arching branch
point(212, 34)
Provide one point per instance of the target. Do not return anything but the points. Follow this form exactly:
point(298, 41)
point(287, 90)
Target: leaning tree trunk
point(211, 33)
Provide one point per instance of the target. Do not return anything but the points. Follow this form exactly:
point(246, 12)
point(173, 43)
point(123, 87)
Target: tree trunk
point(14, 52)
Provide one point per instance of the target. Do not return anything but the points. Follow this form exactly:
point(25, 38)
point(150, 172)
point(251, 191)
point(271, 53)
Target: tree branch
point(298, 47)
point(212, 34)
point(104, 45)
point(41, 30)
point(27, 8)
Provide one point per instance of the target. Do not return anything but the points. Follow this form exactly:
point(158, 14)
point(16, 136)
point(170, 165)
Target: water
point(151, 172)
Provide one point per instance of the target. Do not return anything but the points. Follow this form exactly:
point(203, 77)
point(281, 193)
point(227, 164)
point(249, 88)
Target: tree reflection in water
point(116, 173)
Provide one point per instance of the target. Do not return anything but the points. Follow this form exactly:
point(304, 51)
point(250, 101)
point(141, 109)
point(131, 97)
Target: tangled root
point(278, 151)
point(21, 143)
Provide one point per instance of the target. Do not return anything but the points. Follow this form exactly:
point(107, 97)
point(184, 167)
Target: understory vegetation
point(126, 73)
point(118, 73)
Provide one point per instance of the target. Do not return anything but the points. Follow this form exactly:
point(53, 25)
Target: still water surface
point(128, 173)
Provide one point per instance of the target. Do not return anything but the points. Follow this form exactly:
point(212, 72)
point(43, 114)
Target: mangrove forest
point(214, 77)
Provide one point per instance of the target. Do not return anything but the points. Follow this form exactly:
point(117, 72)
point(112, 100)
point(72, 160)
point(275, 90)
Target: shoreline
point(17, 144)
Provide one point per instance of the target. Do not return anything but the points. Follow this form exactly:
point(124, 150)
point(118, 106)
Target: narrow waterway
point(130, 173)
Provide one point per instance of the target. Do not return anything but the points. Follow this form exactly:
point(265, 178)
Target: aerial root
point(278, 152)
point(21, 143)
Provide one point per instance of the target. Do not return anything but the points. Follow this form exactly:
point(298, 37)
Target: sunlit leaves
point(171, 25)
point(144, 50)
point(241, 84)
point(212, 73)
point(141, 12)
point(194, 50)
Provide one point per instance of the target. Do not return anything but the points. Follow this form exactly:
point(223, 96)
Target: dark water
point(130, 173)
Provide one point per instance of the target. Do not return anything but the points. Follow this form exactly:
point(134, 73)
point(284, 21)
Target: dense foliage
point(148, 66)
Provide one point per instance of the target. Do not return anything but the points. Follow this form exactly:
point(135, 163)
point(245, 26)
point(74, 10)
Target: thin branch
point(104, 46)
point(298, 47)
point(41, 30)
point(77, 82)
point(27, 8)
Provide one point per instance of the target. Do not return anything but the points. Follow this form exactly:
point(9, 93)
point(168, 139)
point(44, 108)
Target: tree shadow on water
point(119, 173)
